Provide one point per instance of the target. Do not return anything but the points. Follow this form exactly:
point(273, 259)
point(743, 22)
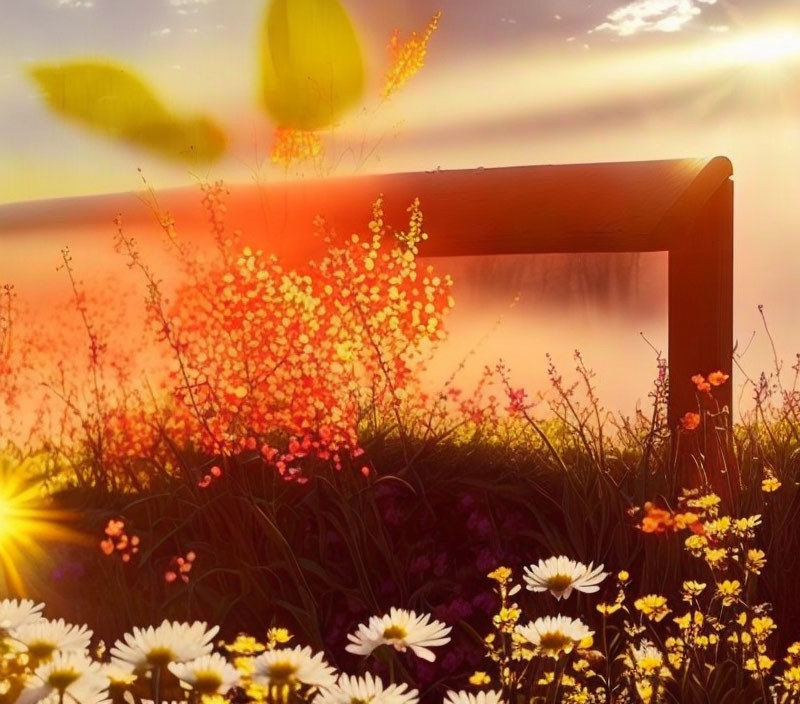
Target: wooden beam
point(701, 322)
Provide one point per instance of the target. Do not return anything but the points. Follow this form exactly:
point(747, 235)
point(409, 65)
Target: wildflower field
point(263, 499)
point(228, 477)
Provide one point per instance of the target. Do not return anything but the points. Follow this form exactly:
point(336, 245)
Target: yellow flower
point(501, 574)
point(709, 503)
point(718, 528)
point(761, 627)
point(745, 527)
point(729, 591)
point(764, 664)
point(791, 679)
point(743, 637)
point(213, 699)
point(692, 589)
point(244, 664)
point(507, 617)
point(479, 678)
point(756, 560)
point(244, 645)
point(645, 690)
point(689, 619)
point(715, 557)
point(654, 606)
point(770, 482)
point(695, 544)
point(278, 635)
point(623, 576)
point(648, 659)
point(407, 57)
point(609, 609)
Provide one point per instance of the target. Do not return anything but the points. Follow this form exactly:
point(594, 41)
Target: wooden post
point(701, 321)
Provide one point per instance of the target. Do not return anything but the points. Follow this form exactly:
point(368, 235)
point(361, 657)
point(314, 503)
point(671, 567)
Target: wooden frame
point(682, 207)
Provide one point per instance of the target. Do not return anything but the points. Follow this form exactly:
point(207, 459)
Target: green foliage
point(111, 100)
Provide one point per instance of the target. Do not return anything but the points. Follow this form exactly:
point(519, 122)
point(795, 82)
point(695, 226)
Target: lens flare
point(767, 46)
point(27, 524)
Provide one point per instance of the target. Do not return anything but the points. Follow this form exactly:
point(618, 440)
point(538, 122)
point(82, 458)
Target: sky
point(506, 82)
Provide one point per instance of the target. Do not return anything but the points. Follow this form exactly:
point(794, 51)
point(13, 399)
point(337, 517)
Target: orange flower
point(114, 528)
point(407, 57)
point(718, 378)
point(690, 421)
point(656, 520)
point(107, 546)
point(689, 520)
point(700, 382)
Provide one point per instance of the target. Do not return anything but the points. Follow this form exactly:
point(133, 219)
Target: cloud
point(651, 16)
point(75, 3)
point(189, 7)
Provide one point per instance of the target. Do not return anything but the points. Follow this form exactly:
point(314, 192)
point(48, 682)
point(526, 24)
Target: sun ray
point(28, 522)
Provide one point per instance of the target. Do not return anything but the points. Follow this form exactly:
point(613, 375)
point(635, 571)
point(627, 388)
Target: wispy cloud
point(652, 16)
point(189, 7)
point(75, 3)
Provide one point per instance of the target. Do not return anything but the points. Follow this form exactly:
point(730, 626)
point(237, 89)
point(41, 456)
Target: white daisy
point(68, 677)
point(208, 674)
point(648, 660)
point(147, 648)
point(293, 666)
point(15, 613)
point(44, 637)
point(402, 630)
point(553, 635)
point(366, 690)
point(462, 697)
point(560, 575)
point(120, 675)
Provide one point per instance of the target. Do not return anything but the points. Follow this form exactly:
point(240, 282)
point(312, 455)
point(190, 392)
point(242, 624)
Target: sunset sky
point(506, 82)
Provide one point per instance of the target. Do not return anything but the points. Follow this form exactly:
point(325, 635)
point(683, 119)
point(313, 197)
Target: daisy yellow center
point(394, 632)
point(41, 649)
point(61, 679)
point(361, 700)
point(559, 582)
point(160, 657)
point(282, 671)
point(207, 682)
point(649, 663)
point(555, 642)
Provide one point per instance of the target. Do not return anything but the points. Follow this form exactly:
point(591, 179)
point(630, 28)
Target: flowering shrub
point(266, 354)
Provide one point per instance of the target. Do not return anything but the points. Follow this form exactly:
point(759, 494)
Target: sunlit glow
point(767, 46)
point(26, 522)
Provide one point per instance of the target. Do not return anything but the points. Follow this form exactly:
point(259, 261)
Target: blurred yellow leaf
point(311, 63)
point(112, 100)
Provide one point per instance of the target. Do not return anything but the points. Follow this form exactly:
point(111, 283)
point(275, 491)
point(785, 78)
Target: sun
point(767, 46)
point(28, 523)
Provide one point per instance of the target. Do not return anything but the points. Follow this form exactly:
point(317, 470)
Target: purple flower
point(486, 602)
point(440, 564)
point(479, 525)
point(419, 564)
point(456, 610)
point(486, 560)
